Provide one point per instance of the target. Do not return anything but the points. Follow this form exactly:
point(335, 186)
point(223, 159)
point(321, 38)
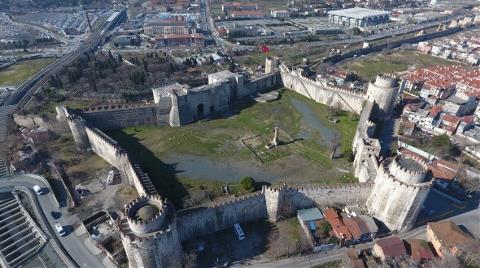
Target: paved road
point(72, 244)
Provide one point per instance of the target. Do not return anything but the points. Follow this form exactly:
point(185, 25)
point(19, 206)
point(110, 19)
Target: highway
point(22, 96)
point(71, 243)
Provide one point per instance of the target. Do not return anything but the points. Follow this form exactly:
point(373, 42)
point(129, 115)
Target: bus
point(238, 231)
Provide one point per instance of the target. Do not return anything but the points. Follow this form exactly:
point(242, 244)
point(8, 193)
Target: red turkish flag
point(265, 49)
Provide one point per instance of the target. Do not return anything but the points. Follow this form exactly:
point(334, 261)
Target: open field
point(20, 72)
point(367, 67)
point(194, 161)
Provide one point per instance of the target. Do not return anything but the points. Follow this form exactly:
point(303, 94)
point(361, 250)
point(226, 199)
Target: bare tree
point(189, 259)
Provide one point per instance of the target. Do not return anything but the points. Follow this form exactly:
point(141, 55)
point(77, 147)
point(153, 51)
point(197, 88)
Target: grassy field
point(368, 67)
point(20, 72)
point(79, 167)
point(220, 141)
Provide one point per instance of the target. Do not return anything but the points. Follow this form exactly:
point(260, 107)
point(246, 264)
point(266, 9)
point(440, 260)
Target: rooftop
point(392, 247)
point(419, 249)
point(358, 12)
point(449, 234)
point(310, 214)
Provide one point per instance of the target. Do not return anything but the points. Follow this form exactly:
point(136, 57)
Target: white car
point(60, 229)
point(38, 189)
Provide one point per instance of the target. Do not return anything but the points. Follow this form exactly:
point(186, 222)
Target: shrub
point(248, 183)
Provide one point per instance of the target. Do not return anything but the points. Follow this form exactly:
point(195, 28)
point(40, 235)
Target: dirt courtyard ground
point(262, 240)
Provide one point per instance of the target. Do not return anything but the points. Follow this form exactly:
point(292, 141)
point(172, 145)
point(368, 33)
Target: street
point(470, 219)
point(73, 245)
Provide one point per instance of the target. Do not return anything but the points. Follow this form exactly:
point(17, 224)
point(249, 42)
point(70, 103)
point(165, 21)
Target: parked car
point(38, 189)
point(60, 229)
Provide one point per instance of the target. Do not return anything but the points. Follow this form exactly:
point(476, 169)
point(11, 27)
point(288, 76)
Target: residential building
point(390, 248)
point(419, 250)
point(460, 104)
point(447, 238)
point(339, 229)
point(450, 123)
point(229, 6)
point(167, 40)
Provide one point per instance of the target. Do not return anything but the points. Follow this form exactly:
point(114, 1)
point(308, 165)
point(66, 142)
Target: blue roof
point(310, 214)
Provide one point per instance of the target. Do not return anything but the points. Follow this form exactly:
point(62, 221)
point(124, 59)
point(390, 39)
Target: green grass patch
point(369, 67)
point(22, 71)
point(220, 139)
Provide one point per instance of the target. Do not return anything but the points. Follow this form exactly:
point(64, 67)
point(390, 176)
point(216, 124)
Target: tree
point(441, 140)
point(248, 183)
point(119, 58)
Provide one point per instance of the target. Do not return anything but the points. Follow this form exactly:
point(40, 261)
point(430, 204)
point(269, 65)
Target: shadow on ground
point(162, 175)
point(437, 207)
point(223, 247)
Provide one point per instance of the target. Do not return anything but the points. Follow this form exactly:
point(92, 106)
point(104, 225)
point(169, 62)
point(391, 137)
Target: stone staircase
point(5, 112)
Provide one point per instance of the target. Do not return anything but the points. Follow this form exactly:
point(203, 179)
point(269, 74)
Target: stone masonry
point(151, 229)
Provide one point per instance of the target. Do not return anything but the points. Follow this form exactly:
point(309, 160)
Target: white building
point(358, 17)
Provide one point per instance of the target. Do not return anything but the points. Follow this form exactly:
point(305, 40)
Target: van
point(37, 189)
point(238, 231)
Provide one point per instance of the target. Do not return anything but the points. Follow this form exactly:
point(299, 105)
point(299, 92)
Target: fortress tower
point(77, 126)
point(271, 64)
point(149, 233)
point(400, 190)
point(384, 92)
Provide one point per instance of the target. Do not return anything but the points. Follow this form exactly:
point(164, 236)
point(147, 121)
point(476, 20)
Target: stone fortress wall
point(91, 138)
point(188, 105)
point(345, 99)
point(271, 203)
point(158, 244)
point(122, 116)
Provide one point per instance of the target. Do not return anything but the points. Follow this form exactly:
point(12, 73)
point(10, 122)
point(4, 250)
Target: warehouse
point(358, 17)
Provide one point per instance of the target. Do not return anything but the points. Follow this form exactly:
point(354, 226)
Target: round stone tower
point(384, 92)
point(149, 233)
point(400, 190)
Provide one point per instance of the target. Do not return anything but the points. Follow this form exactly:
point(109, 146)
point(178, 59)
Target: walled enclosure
point(149, 244)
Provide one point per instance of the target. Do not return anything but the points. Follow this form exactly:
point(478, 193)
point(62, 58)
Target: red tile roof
point(339, 228)
point(392, 247)
point(443, 77)
point(419, 250)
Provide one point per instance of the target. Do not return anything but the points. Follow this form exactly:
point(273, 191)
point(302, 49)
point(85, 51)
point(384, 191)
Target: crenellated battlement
point(237, 199)
point(113, 107)
point(410, 170)
point(297, 73)
point(316, 187)
point(146, 214)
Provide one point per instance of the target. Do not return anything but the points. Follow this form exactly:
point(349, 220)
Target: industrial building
point(358, 17)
